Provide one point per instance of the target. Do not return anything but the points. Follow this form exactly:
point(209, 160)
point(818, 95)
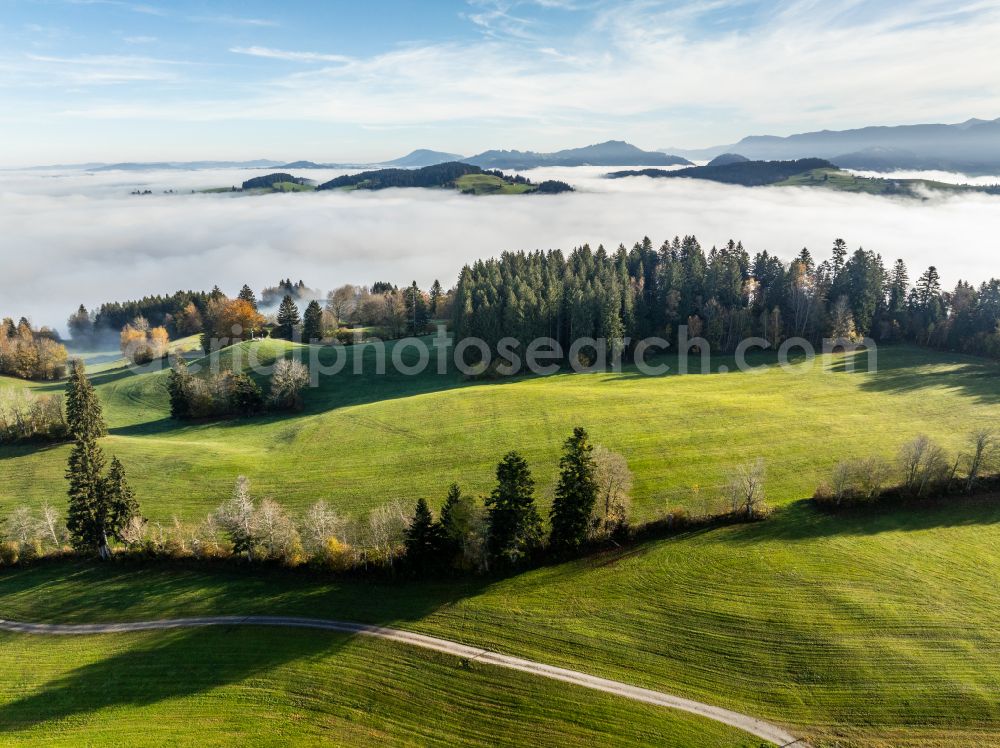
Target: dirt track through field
point(754, 726)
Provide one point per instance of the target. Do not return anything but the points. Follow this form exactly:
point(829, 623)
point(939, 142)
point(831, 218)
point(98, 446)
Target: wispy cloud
point(281, 54)
point(150, 10)
point(233, 20)
point(83, 70)
point(686, 73)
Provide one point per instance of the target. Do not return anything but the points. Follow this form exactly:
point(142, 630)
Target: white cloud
point(659, 76)
point(233, 20)
point(280, 54)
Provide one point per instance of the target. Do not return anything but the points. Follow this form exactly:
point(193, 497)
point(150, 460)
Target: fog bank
point(80, 238)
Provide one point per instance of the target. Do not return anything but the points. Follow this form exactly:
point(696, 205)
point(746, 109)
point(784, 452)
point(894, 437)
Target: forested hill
point(465, 177)
point(268, 181)
point(438, 175)
point(747, 173)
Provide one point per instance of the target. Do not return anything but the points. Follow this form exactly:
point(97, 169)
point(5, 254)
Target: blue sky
point(110, 80)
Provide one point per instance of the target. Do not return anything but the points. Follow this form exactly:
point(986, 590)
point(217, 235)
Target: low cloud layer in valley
point(77, 237)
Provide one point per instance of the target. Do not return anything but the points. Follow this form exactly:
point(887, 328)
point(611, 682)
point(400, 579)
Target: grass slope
point(489, 184)
point(845, 181)
point(364, 440)
point(274, 687)
point(853, 630)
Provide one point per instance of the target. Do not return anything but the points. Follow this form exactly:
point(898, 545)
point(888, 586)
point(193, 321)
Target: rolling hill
point(809, 172)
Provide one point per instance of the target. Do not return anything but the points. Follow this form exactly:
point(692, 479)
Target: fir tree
point(119, 500)
point(80, 325)
point(246, 294)
point(288, 319)
point(514, 528)
point(312, 326)
point(179, 388)
point(83, 409)
point(416, 310)
point(424, 539)
point(457, 516)
point(436, 294)
point(86, 489)
point(576, 492)
point(99, 506)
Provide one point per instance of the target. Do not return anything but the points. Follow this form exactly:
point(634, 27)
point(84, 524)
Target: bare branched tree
point(614, 485)
point(982, 457)
point(922, 463)
point(745, 488)
point(320, 524)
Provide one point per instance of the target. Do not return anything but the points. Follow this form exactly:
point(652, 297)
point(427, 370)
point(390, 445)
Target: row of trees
point(227, 393)
point(26, 416)
point(922, 468)
point(28, 353)
point(723, 295)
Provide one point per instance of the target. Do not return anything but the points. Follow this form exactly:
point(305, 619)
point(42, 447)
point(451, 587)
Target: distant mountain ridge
point(423, 157)
point(972, 146)
point(609, 153)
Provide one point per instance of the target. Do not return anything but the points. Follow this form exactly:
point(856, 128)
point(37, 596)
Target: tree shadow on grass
point(908, 369)
point(802, 520)
point(148, 668)
point(177, 663)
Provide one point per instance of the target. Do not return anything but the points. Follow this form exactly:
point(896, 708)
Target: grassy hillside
point(275, 687)
point(854, 630)
point(365, 440)
point(845, 181)
point(489, 184)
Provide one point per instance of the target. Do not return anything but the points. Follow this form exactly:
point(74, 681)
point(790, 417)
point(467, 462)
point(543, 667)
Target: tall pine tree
point(312, 325)
point(576, 492)
point(99, 506)
point(424, 540)
point(514, 528)
point(246, 294)
point(288, 319)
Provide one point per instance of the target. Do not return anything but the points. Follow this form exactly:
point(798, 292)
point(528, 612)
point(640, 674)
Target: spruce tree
point(312, 325)
point(99, 506)
point(416, 310)
point(119, 499)
point(179, 388)
point(514, 528)
point(457, 517)
point(576, 493)
point(436, 294)
point(288, 319)
point(423, 539)
point(83, 409)
point(246, 294)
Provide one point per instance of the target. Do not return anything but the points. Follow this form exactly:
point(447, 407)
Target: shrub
point(10, 552)
point(336, 555)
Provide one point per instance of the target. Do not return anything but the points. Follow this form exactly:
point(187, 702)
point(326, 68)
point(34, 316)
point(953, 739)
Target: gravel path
point(754, 726)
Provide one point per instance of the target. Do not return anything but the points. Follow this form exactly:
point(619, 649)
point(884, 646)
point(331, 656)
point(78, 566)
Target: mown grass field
point(365, 440)
point(856, 630)
point(274, 687)
point(488, 184)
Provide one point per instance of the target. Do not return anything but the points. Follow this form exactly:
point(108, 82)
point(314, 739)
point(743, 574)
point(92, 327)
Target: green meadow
point(366, 440)
point(851, 630)
point(869, 629)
